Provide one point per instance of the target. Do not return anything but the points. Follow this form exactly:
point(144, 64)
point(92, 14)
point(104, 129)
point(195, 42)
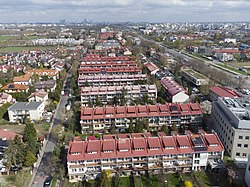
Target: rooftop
point(223, 92)
point(25, 106)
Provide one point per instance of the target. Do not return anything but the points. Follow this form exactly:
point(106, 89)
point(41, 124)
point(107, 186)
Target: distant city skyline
point(125, 10)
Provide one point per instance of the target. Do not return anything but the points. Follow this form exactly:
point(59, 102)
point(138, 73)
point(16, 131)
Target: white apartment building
point(193, 76)
point(99, 119)
point(138, 152)
point(111, 80)
point(32, 110)
point(231, 117)
point(107, 94)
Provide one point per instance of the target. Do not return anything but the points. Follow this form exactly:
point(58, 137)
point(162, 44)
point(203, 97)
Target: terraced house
point(107, 94)
point(138, 152)
point(102, 118)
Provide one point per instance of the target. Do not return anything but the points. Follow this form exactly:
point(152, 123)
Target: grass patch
point(138, 181)
point(18, 49)
point(124, 182)
point(53, 184)
point(231, 69)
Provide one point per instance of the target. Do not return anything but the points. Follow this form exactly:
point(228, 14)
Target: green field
point(10, 37)
point(18, 49)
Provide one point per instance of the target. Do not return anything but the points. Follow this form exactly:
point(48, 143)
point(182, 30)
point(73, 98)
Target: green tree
point(123, 97)
point(115, 181)
point(30, 137)
point(20, 96)
point(164, 129)
point(29, 159)
point(98, 101)
point(130, 127)
point(104, 179)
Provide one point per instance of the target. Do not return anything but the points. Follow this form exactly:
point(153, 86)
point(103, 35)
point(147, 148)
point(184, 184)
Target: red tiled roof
point(8, 135)
point(226, 51)
point(172, 87)
point(145, 143)
point(136, 111)
point(223, 91)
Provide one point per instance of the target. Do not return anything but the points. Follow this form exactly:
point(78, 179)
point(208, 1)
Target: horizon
point(168, 11)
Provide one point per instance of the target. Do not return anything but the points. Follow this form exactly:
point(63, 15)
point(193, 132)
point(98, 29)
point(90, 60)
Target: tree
point(30, 137)
point(130, 127)
point(29, 159)
point(164, 129)
point(115, 181)
point(123, 99)
point(104, 179)
point(20, 96)
point(98, 101)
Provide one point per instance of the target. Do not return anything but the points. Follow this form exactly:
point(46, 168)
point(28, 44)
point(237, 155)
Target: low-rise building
point(20, 110)
point(231, 118)
point(219, 91)
point(152, 68)
point(138, 153)
point(14, 88)
point(39, 96)
point(110, 71)
point(6, 98)
point(51, 73)
point(24, 80)
point(111, 80)
point(100, 119)
point(174, 92)
point(48, 86)
point(108, 94)
point(193, 76)
point(105, 64)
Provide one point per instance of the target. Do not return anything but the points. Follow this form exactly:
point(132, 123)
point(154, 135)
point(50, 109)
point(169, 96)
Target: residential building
point(138, 153)
point(110, 71)
point(51, 73)
point(225, 55)
point(111, 80)
point(174, 92)
point(14, 88)
point(231, 118)
point(24, 80)
point(97, 58)
point(153, 69)
point(219, 91)
point(107, 94)
point(20, 110)
point(99, 119)
point(48, 86)
point(193, 76)
point(105, 64)
point(6, 98)
point(38, 96)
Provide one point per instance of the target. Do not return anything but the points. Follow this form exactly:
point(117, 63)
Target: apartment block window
point(237, 154)
point(240, 137)
point(247, 137)
point(197, 155)
point(244, 154)
point(197, 162)
point(238, 145)
point(245, 145)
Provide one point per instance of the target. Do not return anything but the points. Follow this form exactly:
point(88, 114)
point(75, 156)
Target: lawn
point(18, 49)
point(124, 182)
point(231, 69)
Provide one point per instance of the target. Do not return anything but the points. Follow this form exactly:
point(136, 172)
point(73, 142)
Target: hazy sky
point(124, 10)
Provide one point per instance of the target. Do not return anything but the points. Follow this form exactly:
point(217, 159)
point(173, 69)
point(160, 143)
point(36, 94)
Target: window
point(244, 154)
point(237, 154)
point(247, 137)
point(238, 145)
point(240, 137)
point(245, 145)
point(197, 155)
point(196, 161)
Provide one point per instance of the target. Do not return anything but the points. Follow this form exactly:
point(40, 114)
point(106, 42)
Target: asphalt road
point(41, 175)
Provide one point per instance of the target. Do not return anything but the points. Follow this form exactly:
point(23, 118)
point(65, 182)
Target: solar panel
point(200, 149)
point(11, 86)
point(173, 108)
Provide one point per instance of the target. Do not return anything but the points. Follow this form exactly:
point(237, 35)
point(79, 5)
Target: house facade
point(99, 119)
point(138, 152)
point(20, 110)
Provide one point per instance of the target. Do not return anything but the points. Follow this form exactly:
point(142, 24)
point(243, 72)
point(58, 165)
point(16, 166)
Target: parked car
point(47, 181)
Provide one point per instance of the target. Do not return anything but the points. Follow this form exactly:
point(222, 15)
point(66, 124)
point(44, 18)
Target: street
point(40, 175)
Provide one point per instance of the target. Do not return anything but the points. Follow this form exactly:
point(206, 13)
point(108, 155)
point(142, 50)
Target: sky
point(124, 10)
